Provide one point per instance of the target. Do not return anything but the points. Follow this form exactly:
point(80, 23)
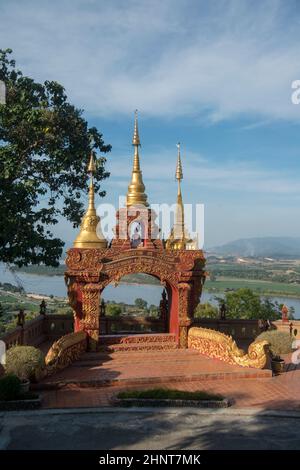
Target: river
point(54, 285)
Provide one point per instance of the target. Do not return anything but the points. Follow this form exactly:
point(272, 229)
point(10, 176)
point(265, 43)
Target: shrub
point(26, 362)
point(279, 342)
point(10, 387)
point(113, 310)
point(165, 393)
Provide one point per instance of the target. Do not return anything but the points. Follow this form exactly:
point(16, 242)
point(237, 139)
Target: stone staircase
point(138, 342)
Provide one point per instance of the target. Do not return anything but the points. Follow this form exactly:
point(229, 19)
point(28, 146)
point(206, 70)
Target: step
point(137, 338)
point(138, 342)
point(139, 347)
point(104, 378)
point(102, 369)
point(94, 359)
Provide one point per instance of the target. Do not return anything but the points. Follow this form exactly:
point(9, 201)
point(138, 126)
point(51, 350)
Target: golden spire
point(179, 216)
point(136, 189)
point(177, 239)
point(179, 174)
point(90, 235)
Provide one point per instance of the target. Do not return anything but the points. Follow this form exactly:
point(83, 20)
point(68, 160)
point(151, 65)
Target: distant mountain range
point(271, 247)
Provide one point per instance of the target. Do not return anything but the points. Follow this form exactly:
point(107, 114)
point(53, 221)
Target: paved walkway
point(149, 429)
point(160, 369)
point(135, 367)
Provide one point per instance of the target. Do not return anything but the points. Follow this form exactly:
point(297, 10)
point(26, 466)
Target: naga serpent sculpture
point(220, 346)
point(65, 350)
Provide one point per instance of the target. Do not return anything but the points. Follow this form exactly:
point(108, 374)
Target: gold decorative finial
point(136, 137)
point(136, 189)
point(179, 239)
point(92, 166)
point(179, 173)
point(179, 230)
point(90, 235)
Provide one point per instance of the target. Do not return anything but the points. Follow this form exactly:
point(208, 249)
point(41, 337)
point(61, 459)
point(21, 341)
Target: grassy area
point(261, 287)
point(12, 302)
point(169, 394)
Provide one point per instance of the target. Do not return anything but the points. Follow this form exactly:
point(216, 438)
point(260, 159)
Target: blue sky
point(215, 76)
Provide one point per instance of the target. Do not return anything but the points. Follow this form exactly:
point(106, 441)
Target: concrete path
point(148, 429)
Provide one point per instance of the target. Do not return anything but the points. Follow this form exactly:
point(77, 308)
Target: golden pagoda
point(136, 189)
point(90, 235)
point(179, 238)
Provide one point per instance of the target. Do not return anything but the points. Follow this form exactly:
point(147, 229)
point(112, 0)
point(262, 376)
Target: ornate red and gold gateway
point(92, 264)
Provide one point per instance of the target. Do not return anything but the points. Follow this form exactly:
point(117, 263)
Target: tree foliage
point(113, 310)
point(140, 303)
point(246, 304)
point(44, 149)
point(206, 310)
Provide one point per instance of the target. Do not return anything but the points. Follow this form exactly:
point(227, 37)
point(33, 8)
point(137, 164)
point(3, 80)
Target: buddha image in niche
point(136, 234)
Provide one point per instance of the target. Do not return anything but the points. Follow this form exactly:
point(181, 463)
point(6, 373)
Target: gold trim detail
point(220, 346)
point(65, 350)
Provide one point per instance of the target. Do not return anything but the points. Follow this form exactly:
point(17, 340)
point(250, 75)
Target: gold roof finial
point(136, 189)
point(179, 230)
point(90, 235)
point(179, 174)
point(177, 239)
point(92, 165)
point(136, 137)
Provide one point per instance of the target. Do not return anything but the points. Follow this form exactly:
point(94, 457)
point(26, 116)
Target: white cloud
point(202, 177)
point(213, 60)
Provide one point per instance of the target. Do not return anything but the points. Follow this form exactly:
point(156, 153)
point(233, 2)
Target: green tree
point(153, 310)
point(246, 304)
point(1, 310)
point(242, 303)
point(140, 303)
point(291, 313)
point(44, 150)
point(269, 310)
point(206, 310)
point(113, 310)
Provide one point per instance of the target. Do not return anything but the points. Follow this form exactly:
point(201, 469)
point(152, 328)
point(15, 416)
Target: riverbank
point(264, 288)
point(48, 286)
point(218, 286)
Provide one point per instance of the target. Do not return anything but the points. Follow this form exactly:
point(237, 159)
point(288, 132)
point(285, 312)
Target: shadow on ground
point(149, 429)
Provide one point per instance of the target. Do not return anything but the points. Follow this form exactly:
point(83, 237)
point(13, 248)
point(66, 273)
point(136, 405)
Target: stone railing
point(40, 329)
point(56, 326)
point(32, 333)
point(285, 326)
point(244, 329)
point(238, 329)
point(13, 337)
point(128, 324)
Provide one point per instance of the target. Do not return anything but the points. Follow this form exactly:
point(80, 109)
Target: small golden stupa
point(136, 189)
point(90, 235)
point(179, 238)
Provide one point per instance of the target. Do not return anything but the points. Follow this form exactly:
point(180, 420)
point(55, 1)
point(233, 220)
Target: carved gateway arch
point(89, 271)
point(176, 261)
